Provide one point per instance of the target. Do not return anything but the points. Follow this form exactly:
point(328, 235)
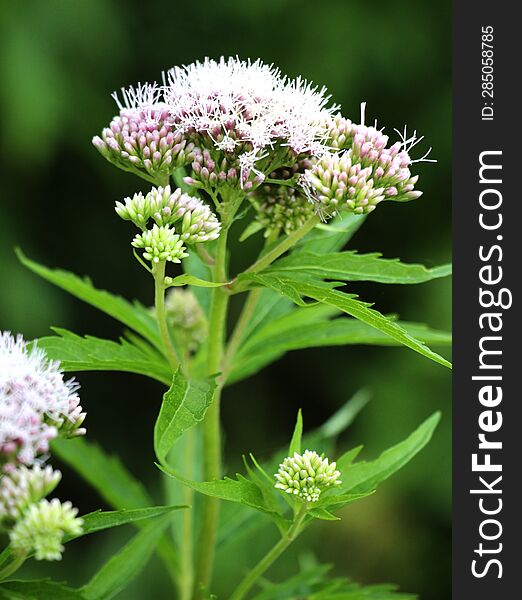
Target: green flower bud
point(186, 318)
point(306, 475)
point(160, 243)
point(281, 208)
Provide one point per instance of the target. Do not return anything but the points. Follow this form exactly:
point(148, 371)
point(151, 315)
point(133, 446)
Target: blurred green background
point(60, 61)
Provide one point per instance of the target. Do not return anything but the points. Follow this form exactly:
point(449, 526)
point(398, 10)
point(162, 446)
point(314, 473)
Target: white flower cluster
point(235, 101)
point(36, 404)
point(193, 218)
point(306, 475)
point(22, 487)
point(42, 528)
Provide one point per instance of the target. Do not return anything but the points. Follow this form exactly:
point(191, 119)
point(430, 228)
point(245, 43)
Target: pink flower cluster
point(36, 404)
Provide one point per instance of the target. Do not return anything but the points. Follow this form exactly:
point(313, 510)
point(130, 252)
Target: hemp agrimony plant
point(230, 149)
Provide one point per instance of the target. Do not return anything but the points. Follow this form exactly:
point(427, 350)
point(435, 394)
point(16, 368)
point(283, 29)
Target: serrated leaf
point(314, 582)
point(350, 266)
point(77, 353)
point(124, 566)
point(295, 442)
point(322, 514)
point(100, 520)
point(272, 341)
point(41, 589)
point(298, 288)
point(133, 315)
point(240, 490)
point(184, 405)
point(363, 476)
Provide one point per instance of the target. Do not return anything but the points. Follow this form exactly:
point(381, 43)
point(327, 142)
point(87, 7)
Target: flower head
point(143, 138)
point(160, 243)
point(306, 475)
point(36, 404)
point(42, 528)
point(281, 207)
point(23, 487)
point(197, 222)
point(235, 103)
point(337, 182)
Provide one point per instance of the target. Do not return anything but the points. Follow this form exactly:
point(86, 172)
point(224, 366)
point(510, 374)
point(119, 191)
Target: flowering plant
point(228, 148)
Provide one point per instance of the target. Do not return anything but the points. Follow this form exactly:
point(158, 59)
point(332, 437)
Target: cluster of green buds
point(42, 528)
point(160, 244)
point(33, 523)
point(178, 218)
point(306, 475)
point(281, 209)
point(186, 318)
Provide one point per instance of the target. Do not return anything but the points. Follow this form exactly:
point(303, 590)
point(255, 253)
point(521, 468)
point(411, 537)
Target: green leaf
point(350, 266)
point(252, 228)
point(240, 490)
point(313, 581)
point(135, 316)
point(344, 416)
point(41, 589)
point(187, 279)
point(105, 473)
point(124, 566)
point(77, 353)
point(184, 405)
point(272, 341)
point(363, 477)
point(100, 520)
point(295, 442)
point(296, 289)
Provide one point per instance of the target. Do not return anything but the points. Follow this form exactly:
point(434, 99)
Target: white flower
point(43, 527)
point(250, 100)
point(36, 404)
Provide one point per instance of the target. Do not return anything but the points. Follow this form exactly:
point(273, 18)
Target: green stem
point(271, 556)
point(285, 244)
point(186, 584)
point(158, 272)
point(211, 425)
point(13, 566)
